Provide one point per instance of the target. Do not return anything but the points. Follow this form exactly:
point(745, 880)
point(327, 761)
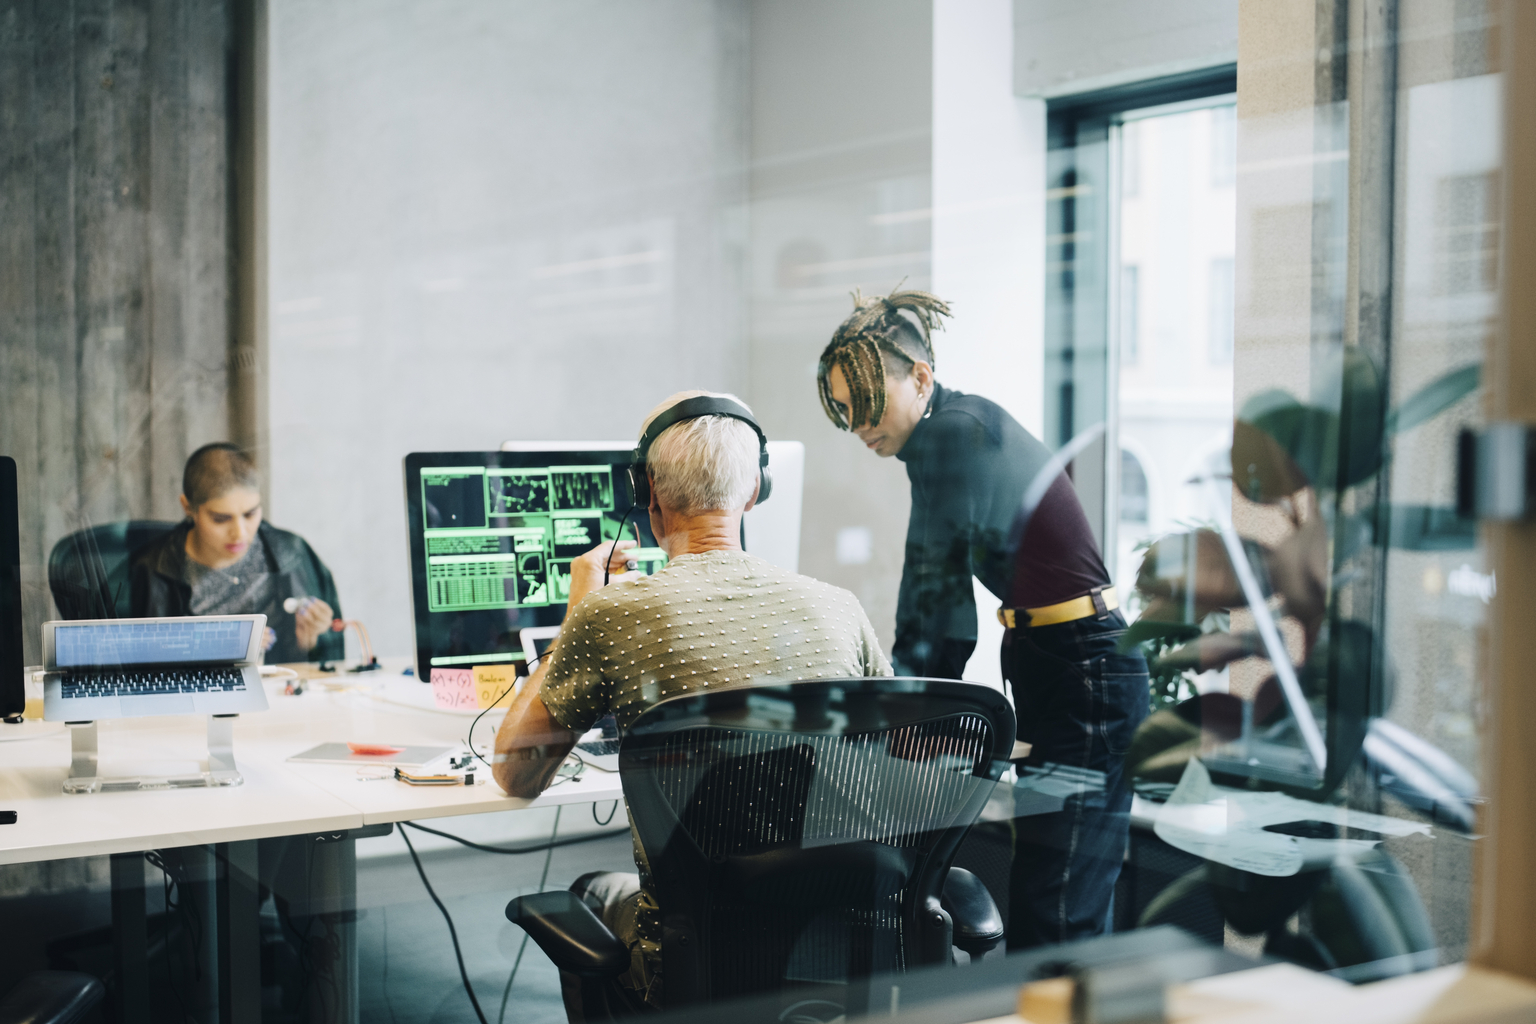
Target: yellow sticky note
point(493, 682)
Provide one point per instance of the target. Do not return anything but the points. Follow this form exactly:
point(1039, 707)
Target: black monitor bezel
point(572, 454)
point(13, 683)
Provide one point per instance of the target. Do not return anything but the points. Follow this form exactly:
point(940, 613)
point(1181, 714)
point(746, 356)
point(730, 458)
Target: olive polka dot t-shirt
point(722, 618)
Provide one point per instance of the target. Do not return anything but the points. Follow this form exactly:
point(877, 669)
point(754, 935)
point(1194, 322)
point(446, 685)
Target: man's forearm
point(530, 745)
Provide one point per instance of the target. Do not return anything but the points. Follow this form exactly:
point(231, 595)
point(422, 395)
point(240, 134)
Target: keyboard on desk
point(599, 747)
point(148, 682)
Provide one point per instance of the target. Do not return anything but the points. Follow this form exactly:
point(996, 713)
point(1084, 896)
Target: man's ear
point(756, 490)
point(186, 506)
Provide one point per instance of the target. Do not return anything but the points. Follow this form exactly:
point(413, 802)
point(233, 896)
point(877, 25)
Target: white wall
point(489, 221)
point(988, 210)
point(840, 198)
point(988, 233)
point(494, 221)
point(1067, 46)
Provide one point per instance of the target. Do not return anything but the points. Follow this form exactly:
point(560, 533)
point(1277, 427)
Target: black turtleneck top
point(970, 464)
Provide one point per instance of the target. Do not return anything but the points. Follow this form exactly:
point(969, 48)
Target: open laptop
point(127, 668)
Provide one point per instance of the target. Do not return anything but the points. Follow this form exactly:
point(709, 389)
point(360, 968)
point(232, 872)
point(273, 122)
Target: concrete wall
point(488, 222)
point(115, 262)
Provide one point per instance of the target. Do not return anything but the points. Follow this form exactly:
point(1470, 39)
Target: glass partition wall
point(1311, 626)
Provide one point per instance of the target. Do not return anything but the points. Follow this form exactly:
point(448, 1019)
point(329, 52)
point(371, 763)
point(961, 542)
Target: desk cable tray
point(221, 771)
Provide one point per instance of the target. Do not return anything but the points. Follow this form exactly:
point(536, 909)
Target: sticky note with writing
point(493, 684)
point(453, 688)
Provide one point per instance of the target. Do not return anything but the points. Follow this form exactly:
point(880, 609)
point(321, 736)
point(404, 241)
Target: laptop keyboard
point(599, 747)
point(146, 682)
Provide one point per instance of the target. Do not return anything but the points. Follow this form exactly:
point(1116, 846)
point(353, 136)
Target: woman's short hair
point(885, 337)
point(216, 469)
point(704, 464)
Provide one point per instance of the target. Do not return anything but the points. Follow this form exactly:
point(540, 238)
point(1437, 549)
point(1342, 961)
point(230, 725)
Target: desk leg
point(130, 938)
point(202, 875)
point(333, 936)
point(239, 934)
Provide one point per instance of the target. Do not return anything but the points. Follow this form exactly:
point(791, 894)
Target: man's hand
point(587, 570)
point(312, 619)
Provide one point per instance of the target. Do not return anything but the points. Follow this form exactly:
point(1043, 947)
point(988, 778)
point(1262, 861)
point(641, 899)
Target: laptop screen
point(162, 642)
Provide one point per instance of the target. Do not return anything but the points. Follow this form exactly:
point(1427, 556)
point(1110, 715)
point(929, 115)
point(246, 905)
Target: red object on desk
point(373, 749)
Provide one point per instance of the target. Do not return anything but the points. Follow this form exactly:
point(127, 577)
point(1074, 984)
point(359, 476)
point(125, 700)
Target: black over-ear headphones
point(691, 409)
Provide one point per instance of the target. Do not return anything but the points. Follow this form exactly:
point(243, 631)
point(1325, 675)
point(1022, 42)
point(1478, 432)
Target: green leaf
point(1334, 447)
point(1434, 398)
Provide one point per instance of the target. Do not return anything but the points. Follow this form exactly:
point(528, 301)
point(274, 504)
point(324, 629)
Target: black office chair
point(797, 833)
point(51, 997)
point(88, 569)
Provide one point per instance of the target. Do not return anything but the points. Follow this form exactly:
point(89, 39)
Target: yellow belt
point(1097, 603)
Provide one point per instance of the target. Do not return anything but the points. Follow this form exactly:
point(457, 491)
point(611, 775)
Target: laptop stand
point(221, 762)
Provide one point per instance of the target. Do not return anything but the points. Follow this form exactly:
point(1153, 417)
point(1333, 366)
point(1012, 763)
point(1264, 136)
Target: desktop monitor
point(492, 535)
point(13, 687)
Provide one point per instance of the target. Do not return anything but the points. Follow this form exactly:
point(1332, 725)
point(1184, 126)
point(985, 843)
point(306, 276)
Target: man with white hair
point(627, 646)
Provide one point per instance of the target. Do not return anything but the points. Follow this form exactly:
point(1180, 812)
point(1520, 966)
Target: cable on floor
point(538, 847)
point(453, 933)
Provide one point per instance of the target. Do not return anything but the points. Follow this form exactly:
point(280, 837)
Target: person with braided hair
point(1077, 696)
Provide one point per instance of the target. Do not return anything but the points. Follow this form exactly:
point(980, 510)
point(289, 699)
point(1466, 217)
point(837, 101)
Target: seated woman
point(225, 560)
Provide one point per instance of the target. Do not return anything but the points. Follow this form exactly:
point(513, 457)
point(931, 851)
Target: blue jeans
point(1079, 701)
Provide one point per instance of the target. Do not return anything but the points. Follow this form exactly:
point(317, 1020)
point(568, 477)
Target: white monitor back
point(772, 528)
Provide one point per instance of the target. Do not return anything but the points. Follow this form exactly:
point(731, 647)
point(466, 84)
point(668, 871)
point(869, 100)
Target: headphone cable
point(618, 537)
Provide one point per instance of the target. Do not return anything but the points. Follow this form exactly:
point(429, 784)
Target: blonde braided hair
point(878, 341)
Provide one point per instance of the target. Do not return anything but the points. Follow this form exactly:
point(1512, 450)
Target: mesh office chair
point(88, 569)
point(797, 834)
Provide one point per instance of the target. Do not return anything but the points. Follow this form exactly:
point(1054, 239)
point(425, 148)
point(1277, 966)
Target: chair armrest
point(51, 997)
point(978, 925)
point(569, 934)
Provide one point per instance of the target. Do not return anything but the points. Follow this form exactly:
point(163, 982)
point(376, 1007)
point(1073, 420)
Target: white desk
point(277, 799)
point(398, 710)
point(51, 824)
point(220, 825)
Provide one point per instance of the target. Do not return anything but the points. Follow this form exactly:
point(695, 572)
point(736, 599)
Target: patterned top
point(244, 588)
point(715, 619)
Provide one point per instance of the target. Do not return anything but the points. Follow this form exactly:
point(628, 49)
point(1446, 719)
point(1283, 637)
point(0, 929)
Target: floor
point(406, 961)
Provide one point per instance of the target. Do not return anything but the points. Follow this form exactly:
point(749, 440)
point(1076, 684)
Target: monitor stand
point(221, 762)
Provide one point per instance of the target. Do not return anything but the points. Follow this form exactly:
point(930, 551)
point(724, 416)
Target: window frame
point(1082, 327)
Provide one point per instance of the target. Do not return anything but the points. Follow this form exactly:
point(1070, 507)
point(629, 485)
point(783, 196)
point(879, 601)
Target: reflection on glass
point(1324, 795)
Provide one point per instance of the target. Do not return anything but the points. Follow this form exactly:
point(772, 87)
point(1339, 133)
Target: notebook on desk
point(127, 668)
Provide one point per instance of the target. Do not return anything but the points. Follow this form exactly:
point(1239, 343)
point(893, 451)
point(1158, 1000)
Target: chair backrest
point(801, 832)
point(88, 569)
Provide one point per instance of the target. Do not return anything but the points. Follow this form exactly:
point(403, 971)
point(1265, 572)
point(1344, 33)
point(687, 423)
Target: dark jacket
point(969, 464)
point(158, 588)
